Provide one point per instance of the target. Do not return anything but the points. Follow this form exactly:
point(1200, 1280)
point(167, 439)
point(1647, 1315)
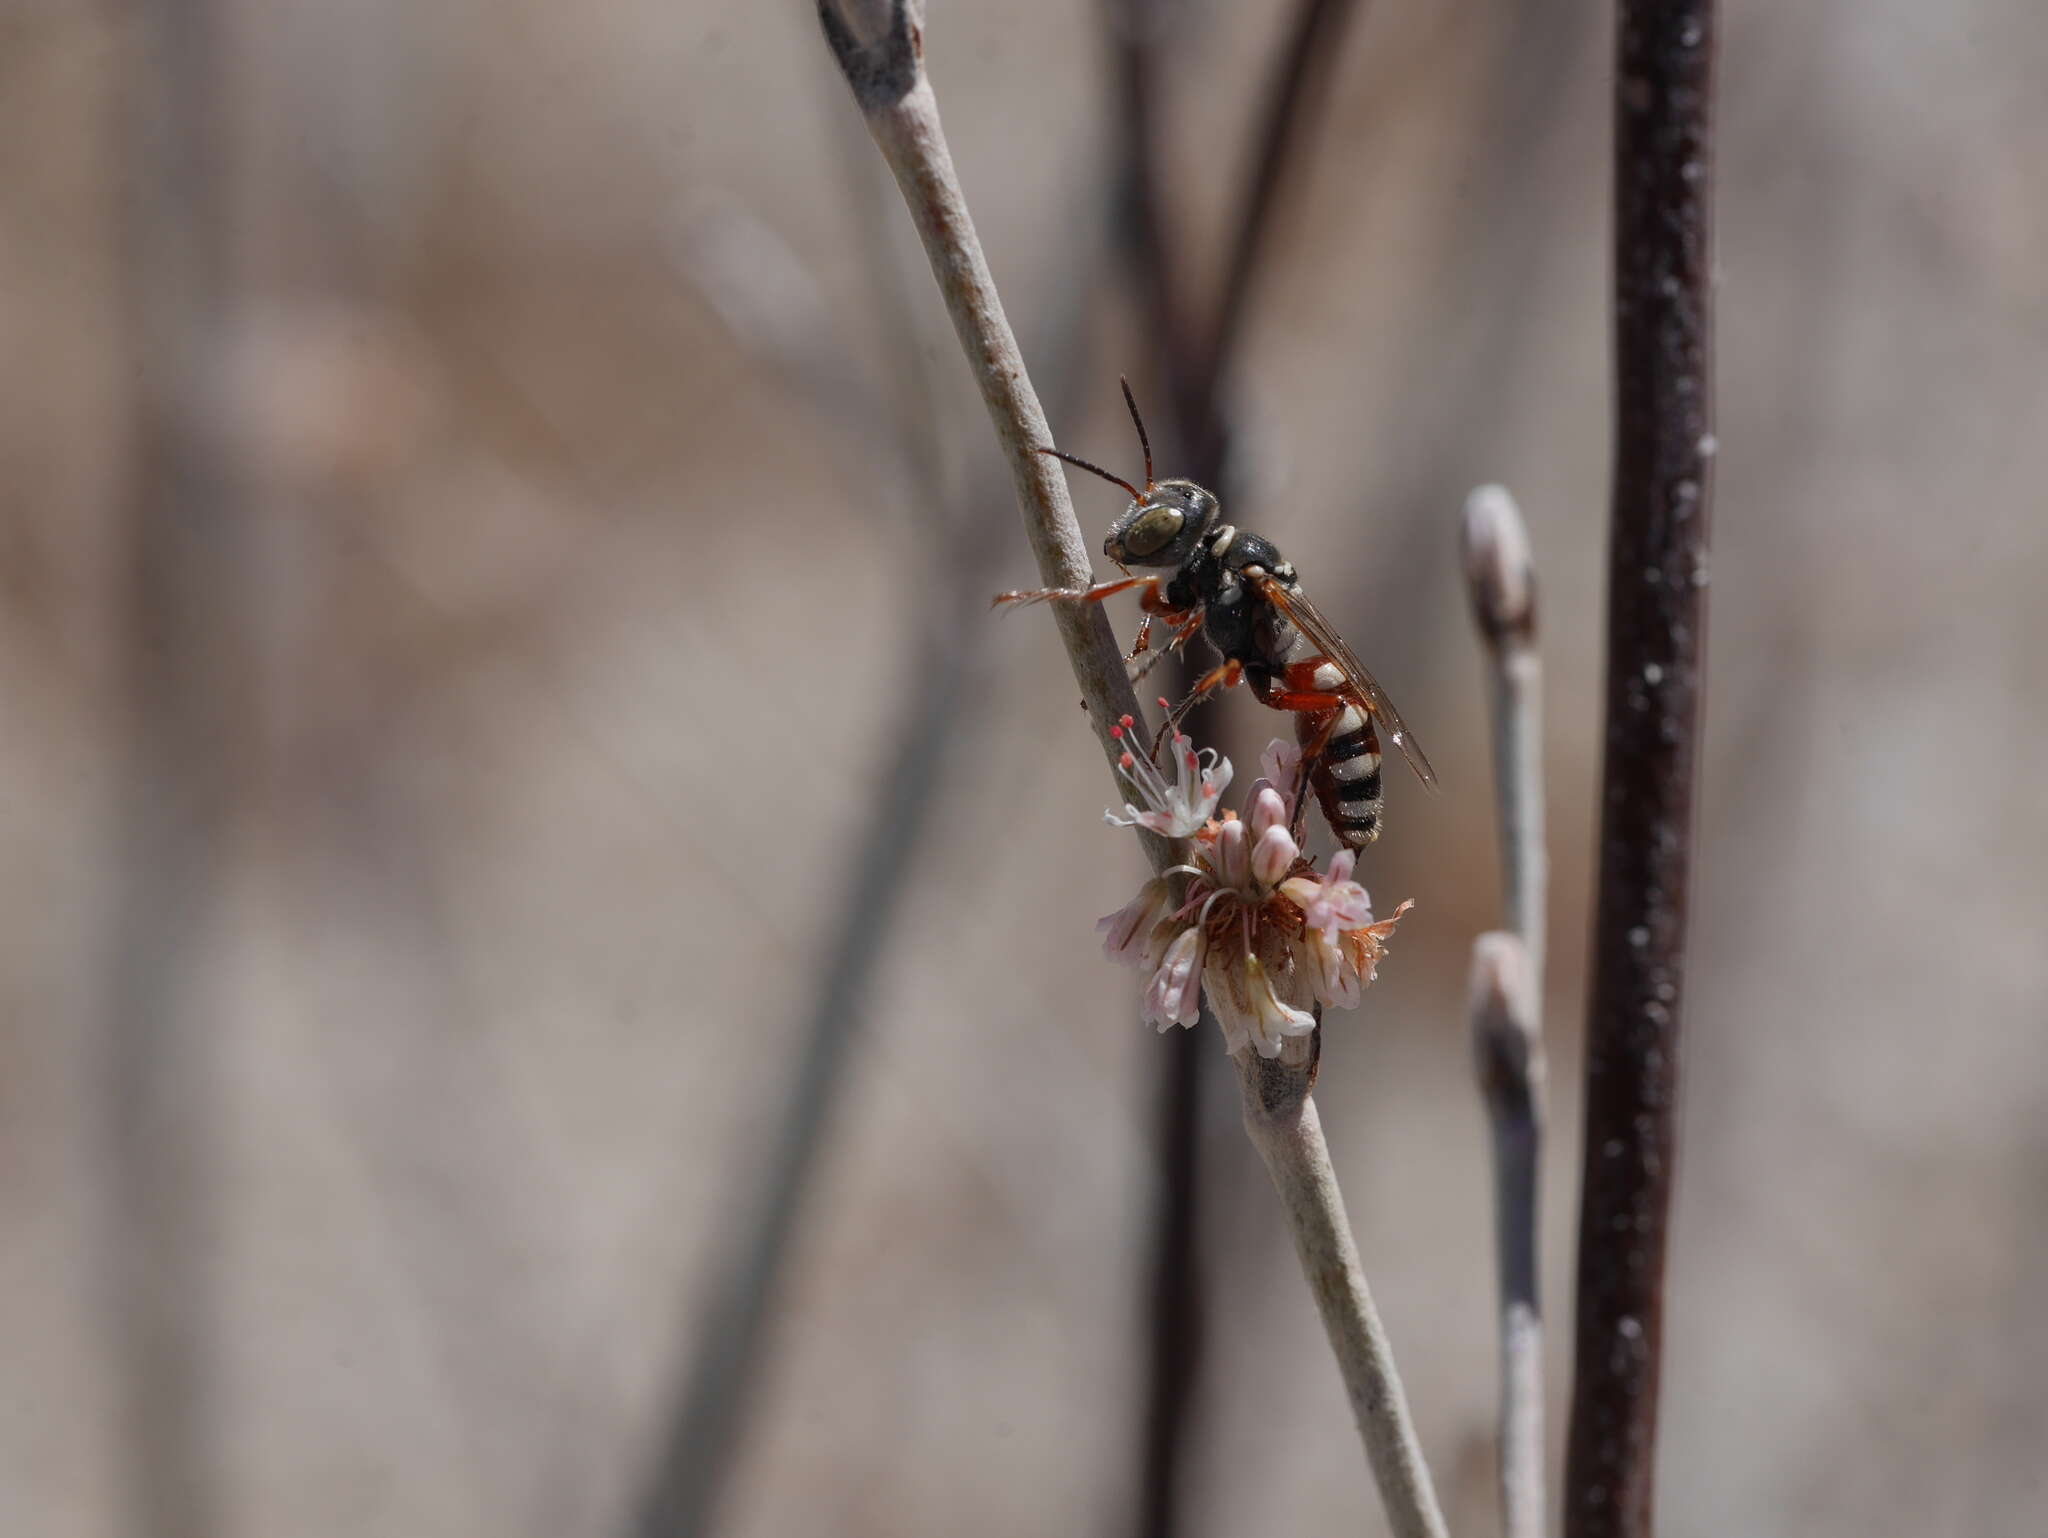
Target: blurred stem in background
point(1194, 350)
point(1505, 999)
point(1500, 573)
point(1507, 1051)
point(184, 659)
point(1656, 616)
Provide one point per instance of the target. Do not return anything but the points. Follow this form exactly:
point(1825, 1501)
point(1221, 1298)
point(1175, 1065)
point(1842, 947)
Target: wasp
point(1235, 588)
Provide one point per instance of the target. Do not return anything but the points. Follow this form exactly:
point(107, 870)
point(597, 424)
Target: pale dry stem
point(1507, 1050)
point(1501, 576)
point(1281, 1120)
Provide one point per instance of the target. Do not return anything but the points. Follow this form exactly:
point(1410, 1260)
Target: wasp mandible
point(1235, 587)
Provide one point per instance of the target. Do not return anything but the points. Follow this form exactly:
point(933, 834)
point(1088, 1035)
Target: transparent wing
point(1308, 619)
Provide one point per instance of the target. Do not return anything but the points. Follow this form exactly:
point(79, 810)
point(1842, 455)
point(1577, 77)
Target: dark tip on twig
point(880, 58)
point(1507, 1046)
point(1500, 572)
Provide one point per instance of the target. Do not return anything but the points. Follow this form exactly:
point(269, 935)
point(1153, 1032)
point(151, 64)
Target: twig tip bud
point(1499, 568)
point(879, 45)
point(1507, 1042)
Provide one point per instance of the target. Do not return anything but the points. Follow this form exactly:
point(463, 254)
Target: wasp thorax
point(1161, 527)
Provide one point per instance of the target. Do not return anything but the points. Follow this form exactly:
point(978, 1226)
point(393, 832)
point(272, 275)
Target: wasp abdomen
point(1347, 779)
point(1346, 774)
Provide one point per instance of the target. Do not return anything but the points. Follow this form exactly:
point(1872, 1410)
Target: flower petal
point(1249, 1010)
point(1231, 855)
point(1273, 855)
point(1127, 932)
point(1329, 965)
point(1267, 809)
point(1174, 995)
point(1281, 763)
point(1176, 808)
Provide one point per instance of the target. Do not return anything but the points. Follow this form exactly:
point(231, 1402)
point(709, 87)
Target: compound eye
point(1154, 531)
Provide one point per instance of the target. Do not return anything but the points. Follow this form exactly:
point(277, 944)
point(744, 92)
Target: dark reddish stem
point(1655, 649)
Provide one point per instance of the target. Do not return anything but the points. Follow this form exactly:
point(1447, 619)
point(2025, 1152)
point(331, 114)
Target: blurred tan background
point(460, 590)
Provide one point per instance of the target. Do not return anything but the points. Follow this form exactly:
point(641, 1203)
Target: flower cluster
point(1256, 926)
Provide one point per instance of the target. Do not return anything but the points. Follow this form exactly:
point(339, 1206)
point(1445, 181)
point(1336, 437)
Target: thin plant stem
point(880, 49)
point(1656, 615)
point(1506, 996)
point(1501, 577)
point(883, 63)
point(1281, 1120)
point(185, 747)
point(1507, 1050)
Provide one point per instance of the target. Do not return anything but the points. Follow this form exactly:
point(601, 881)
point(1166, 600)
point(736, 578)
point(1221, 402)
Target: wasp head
point(1162, 526)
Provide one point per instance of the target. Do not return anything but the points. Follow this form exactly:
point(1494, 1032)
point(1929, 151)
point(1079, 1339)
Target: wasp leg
point(1184, 631)
point(1095, 594)
point(1151, 661)
point(1138, 647)
point(1321, 726)
point(1154, 604)
point(1228, 676)
point(1305, 701)
point(1320, 711)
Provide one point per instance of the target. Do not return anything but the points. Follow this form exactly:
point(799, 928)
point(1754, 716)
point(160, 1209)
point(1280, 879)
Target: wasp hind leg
point(1340, 756)
point(1313, 731)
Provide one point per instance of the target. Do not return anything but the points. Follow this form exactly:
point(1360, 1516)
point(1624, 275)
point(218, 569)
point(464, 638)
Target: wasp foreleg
point(1095, 594)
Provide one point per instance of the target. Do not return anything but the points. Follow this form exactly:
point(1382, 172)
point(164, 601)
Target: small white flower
point(1231, 858)
point(1267, 938)
point(1176, 808)
point(1323, 959)
point(1174, 995)
point(1273, 855)
point(1127, 933)
point(1266, 809)
point(1249, 1010)
point(1336, 902)
point(1281, 766)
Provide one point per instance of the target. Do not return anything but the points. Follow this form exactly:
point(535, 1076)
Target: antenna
point(1082, 464)
point(1131, 401)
